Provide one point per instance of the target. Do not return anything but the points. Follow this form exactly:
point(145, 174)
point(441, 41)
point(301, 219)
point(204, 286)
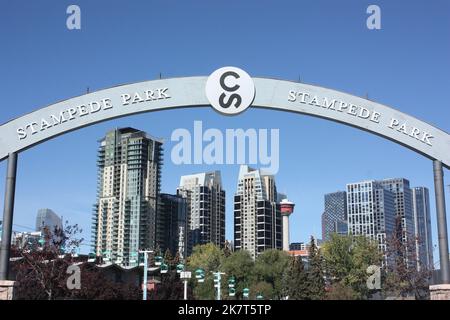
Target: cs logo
point(230, 90)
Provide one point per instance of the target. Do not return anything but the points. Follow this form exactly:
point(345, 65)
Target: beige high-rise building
point(124, 219)
point(206, 208)
point(257, 216)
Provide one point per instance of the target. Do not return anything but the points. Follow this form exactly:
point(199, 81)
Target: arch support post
point(441, 221)
point(8, 215)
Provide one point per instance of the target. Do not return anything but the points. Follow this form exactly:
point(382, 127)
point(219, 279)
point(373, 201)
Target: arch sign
point(230, 91)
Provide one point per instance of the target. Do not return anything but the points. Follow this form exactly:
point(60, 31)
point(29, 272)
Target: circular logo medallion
point(230, 90)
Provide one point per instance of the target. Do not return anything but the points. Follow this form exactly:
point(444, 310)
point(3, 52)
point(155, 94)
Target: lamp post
point(185, 276)
point(231, 288)
point(180, 268)
point(217, 283)
point(200, 275)
point(92, 257)
point(144, 289)
point(246, 293)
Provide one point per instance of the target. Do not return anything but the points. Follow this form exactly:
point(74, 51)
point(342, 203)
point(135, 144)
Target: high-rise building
point(334, 217)
point(48, 219)
point(403, 205)
point(124, 218)
point(404, 211)
point(422, 228)
point(206, 207)
point(371, 211)
point(297, 246)
point(28, 240)
point(172, 225)
point(257, 215)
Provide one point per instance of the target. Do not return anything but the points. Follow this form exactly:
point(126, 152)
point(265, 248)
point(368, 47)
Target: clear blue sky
point(405, 65)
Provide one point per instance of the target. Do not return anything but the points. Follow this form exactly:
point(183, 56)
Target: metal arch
point(190, 92)
point(65, 116)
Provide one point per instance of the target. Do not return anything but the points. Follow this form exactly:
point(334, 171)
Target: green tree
point(346, 260)
point(295, 280)
point(316, 282)
point(263, 288)
point(365, 253)
point(339, 291)
point(170, 288)
point(338, 258)
point(209, 258)
point(269, 267)
point(239, 265)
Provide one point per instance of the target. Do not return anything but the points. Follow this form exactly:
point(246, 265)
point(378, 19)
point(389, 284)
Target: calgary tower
point(287, 208)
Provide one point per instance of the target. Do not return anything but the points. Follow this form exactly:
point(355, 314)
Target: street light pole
point(185, 276)
point(144, 289)
point(145, 276)
point(218, 289)
point(217, 282)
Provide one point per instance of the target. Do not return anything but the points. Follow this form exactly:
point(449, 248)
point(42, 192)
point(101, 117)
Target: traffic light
point(231, 292)
point(259, 296)
point(246, 292)
point(200, 275)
